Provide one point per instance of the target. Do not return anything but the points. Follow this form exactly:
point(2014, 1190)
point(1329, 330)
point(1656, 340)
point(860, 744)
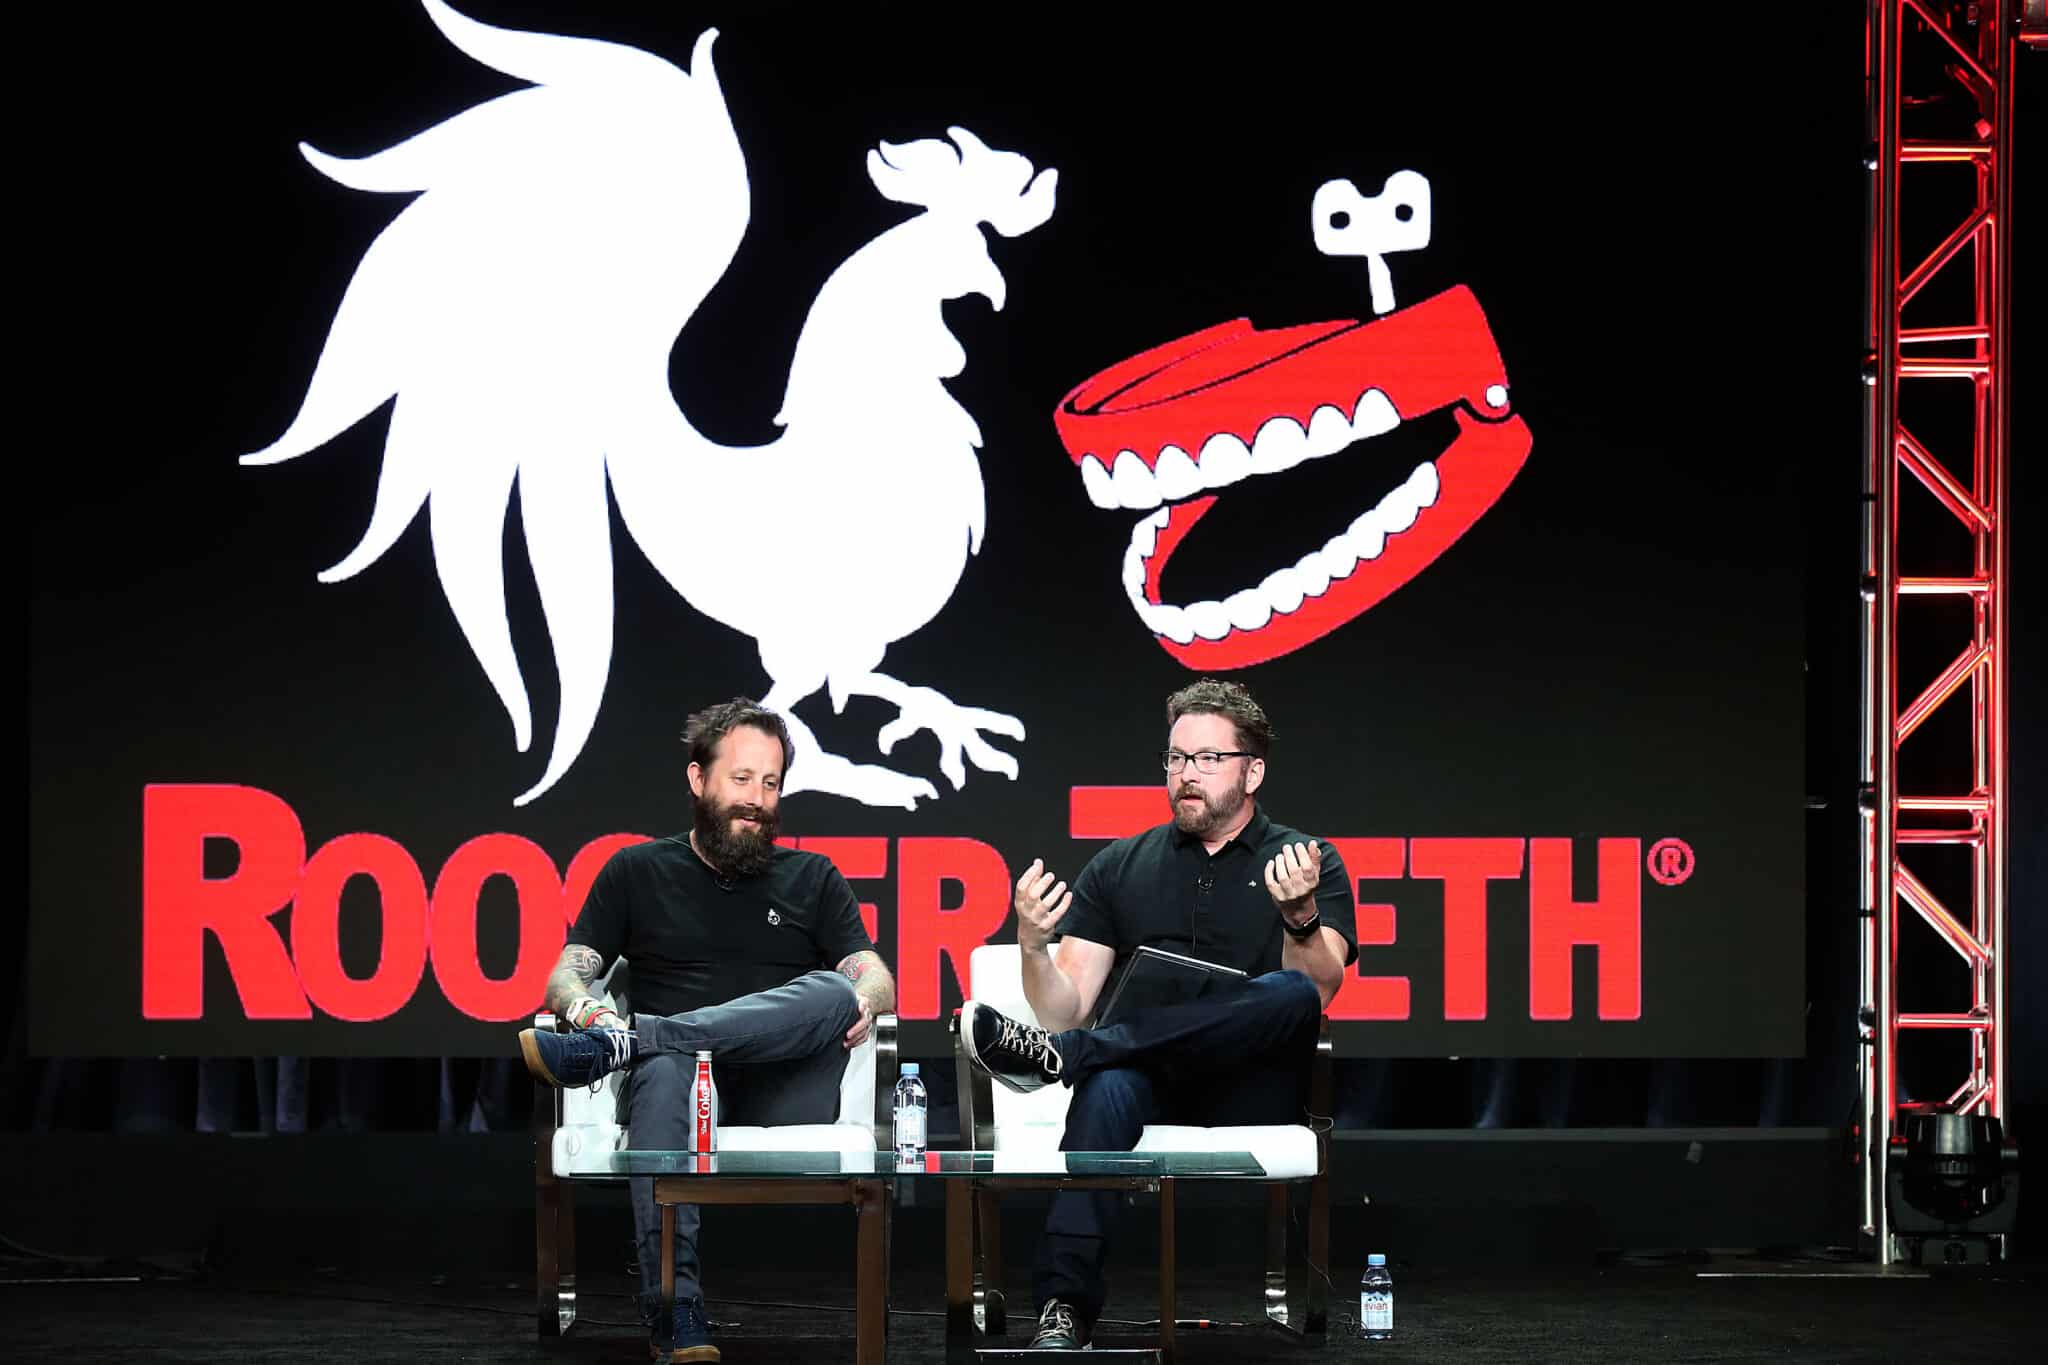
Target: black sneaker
point(684, 1334)
point(1059, 1328)
point(572, 1059)
point(1020, 1055)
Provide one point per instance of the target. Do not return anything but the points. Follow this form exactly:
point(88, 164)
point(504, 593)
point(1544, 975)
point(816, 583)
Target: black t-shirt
point(1163, 888)
point(694, 938)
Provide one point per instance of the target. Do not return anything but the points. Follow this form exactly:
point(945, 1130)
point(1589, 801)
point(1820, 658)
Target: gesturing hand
point(1040, 904)
point(1291, 877)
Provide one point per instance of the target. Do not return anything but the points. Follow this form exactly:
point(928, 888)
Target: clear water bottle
point(1376, 1300)
point(909, 1111)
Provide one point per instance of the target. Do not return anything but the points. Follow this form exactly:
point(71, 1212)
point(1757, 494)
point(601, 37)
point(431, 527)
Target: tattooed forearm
point(575, 972)
point(871, 980)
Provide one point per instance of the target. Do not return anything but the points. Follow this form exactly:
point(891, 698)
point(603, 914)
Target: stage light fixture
point(1954, 1196)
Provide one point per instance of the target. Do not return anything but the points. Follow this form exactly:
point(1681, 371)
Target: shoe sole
point(974, 1055)
point(682, 1355)
point(529, 1048)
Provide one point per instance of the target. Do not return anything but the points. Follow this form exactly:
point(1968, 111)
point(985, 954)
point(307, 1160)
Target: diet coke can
point(703, 1108)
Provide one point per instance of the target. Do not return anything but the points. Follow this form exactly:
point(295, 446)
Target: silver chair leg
point(1276, 1256)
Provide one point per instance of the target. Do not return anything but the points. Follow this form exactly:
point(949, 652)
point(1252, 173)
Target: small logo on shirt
point(774, 916)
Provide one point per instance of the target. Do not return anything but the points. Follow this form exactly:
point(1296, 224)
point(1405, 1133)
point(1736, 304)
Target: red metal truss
point(1939, 78)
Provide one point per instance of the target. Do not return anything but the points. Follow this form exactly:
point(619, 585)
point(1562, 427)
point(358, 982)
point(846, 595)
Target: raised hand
point(1041, 901)
point(1291, 877)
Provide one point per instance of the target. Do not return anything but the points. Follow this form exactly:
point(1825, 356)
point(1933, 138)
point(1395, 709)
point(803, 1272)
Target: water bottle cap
point(910, 1068)
point(1377, 1258)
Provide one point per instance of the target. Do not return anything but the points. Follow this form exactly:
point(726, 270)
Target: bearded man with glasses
point(1220, 881)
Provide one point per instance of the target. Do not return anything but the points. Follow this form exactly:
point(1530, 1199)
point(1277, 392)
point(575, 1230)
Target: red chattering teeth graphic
point(1169, 430)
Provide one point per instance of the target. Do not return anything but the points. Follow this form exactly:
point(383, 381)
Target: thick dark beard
point(1212, 816)
point(734, 852)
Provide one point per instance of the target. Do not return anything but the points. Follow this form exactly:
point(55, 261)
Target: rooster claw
point(958, 730)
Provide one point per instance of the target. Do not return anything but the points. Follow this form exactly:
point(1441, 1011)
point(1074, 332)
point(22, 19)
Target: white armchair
point(996, 1119)
point(576, 1129)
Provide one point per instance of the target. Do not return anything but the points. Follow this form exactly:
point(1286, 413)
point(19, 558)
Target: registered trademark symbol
point(1670, 861)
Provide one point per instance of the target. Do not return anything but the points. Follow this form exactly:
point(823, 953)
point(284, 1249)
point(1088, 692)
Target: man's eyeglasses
point(1205, 761)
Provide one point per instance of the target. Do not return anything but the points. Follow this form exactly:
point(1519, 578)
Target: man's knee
point(1298, 989)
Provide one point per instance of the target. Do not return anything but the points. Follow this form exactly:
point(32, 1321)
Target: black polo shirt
point(696, 938)
point(1163, 888)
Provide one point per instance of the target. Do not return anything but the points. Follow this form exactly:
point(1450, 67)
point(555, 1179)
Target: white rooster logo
point(522, 309)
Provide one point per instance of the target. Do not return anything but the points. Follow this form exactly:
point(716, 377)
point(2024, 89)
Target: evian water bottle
point(703, 1108)
point(1376, 1299)
point(910, 1114)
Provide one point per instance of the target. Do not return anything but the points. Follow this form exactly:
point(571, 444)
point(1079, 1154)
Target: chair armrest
point(888, 1070)
point(547, 1099)
point(977, 1099)
point(1322, 1095)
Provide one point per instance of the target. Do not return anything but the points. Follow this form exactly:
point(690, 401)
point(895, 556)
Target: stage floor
point(1618, 1313)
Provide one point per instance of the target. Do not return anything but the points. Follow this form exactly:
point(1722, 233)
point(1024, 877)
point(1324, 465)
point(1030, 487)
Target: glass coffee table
point(972, 1183)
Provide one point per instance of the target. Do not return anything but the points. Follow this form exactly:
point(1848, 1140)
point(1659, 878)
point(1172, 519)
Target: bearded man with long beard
point(741, 948)
point(1221, 882)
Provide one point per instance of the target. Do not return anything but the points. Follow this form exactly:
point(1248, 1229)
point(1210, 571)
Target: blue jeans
point(1236, 1058)
point(777, 1058)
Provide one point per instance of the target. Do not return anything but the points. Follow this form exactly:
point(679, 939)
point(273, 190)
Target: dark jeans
point(1222, 1060)
point(777, 1059)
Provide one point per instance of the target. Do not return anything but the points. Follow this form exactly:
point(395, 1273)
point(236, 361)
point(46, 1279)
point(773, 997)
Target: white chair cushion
point(590, 1119)
point(844, 1138)
point(1284, 1151)
point(1032, 1124)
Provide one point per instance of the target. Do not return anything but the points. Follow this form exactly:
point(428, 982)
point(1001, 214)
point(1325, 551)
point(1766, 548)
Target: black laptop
point(1162, 974)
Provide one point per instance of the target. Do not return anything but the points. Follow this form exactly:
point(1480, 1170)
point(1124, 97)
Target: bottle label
point(910, 1127)
point(1376, 1311)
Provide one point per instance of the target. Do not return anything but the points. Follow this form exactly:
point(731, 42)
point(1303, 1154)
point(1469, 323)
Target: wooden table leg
point(1169, 1304)
point(988, 1217)
point(871, 1331)
point(668, 1259)
point(959, 1267)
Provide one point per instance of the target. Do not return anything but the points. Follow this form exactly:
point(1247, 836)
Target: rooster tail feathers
point(360, 364)
point(543, 58)
point(469, 553)
point(402, 488)
point(568, 536)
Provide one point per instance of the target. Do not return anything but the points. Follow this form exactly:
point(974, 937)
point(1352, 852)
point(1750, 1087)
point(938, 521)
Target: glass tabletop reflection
point(958, 1165)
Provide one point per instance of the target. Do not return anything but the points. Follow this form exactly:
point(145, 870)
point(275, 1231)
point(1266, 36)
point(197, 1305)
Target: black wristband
point(1315, 922)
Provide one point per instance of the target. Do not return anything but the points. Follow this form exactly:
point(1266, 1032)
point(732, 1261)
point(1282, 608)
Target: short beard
point(1216, 812)
point(734, 852)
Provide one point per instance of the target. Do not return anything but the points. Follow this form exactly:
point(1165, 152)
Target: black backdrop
point(1613, 652)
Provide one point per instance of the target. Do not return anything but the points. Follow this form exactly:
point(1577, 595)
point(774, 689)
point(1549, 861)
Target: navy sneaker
point(1022, 1056)
point(683, 1334)
point(572, 1059)
point(1060, 1328)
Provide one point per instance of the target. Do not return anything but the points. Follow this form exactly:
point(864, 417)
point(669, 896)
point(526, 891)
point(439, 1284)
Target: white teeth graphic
point(1175, 475)
point(1132, 483)
point(1174, 624)
point(1210, 620)
point(1224, 461)
point(1374, 415)
point(1284, 589)
point(1096, 480)
point(1281, 444)
point(1145, 535)
point(1314, 575)
point(1423, 485)
point(1329, 431)
point(1248, 609)
point(1366, 536)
